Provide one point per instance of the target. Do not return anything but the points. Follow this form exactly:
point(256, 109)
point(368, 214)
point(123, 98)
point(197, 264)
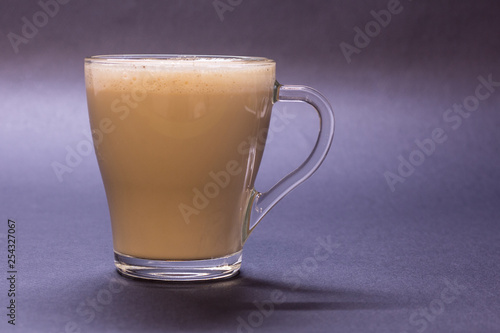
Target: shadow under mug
point(179, 140)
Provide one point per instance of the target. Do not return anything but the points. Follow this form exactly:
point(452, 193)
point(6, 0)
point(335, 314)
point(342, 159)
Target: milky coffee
point(179, 143)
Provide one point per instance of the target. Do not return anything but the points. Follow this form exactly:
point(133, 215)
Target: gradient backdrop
point(420, 255)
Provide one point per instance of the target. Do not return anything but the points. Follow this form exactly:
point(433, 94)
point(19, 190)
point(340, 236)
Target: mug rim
point(191, 58)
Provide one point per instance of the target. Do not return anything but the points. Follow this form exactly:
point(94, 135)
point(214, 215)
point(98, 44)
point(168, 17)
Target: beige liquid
point(179, 144)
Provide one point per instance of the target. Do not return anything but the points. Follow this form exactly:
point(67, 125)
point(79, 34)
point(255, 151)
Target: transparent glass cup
point(179, 140)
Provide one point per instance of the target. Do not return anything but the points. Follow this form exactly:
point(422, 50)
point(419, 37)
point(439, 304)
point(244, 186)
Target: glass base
point(178, 270)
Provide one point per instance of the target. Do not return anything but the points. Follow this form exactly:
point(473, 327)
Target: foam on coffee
point(180, 75)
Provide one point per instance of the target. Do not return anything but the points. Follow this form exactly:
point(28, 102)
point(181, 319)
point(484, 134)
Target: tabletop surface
point(398, 231)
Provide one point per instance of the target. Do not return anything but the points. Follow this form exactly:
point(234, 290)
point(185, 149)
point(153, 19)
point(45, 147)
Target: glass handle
point(263, 202)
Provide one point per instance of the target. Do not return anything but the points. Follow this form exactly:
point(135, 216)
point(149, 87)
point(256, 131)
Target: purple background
point(392, 250)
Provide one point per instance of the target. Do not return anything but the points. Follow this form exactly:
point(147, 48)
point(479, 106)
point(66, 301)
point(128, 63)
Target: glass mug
point(179, 140)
